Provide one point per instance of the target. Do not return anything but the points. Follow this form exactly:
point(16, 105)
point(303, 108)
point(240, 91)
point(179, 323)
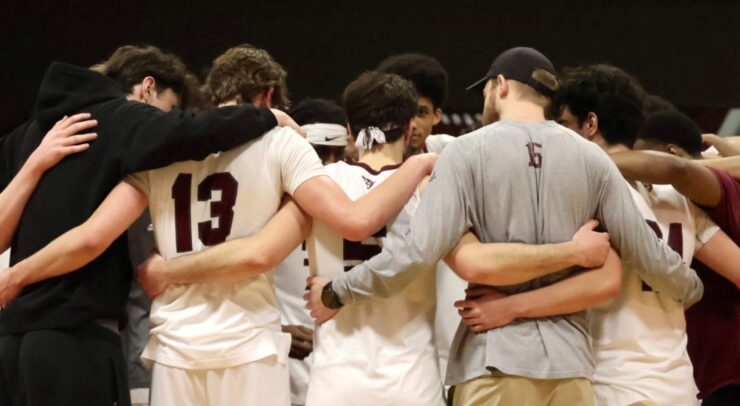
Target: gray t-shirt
point(533, 183)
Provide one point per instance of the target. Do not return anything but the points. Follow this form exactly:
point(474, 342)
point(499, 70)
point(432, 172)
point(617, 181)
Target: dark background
point(682, 50)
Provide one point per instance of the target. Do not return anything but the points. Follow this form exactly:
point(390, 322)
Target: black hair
point(310, 111)
point(426, 73)
point(377, 99)
point(614, 96)
point(672, 127)
point(655, 103)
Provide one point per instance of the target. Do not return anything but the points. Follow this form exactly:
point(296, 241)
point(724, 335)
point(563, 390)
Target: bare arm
point(78, 246)
point(488, 309)
point(725, 148)
point(730, 165)
point(59, 142)
point(722, 255)
point(501, 264)
point(323, 200)
point(233, 260)
point(692, 180)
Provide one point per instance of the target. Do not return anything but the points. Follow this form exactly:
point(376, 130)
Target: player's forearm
point(242, 258)
point(722, 255)
point(574, 294)
point(13, 200)
point(730, 165)
point(501, 264)
point(724, 148)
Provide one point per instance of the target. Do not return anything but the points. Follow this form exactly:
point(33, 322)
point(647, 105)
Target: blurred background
point(684, 51)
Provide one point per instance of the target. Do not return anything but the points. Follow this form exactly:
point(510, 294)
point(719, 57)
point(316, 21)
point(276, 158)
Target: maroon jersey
point(713, 324)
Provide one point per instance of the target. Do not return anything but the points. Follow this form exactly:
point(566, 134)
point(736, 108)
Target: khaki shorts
point(506, 390)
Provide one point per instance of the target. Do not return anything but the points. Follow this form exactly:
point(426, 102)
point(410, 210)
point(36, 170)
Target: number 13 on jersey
point(220, 209)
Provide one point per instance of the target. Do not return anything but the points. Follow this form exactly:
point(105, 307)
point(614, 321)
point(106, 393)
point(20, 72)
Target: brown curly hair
point(243, 72)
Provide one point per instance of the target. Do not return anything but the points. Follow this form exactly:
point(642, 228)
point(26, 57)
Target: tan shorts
point(505, 390)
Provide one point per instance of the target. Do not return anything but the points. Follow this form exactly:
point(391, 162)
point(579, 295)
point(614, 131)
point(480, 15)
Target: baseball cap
point(519, 64)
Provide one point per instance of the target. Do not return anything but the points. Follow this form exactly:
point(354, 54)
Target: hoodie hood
point(67, 89)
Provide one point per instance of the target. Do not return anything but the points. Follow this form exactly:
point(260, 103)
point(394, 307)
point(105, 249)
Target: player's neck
point(522, 111)
point(613, 149)
point(384, 154)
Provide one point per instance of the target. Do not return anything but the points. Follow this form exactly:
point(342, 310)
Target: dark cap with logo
point(519, 64)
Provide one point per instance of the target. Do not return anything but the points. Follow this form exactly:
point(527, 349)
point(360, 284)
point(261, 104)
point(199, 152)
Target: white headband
point(334, 135)
point(369, 134)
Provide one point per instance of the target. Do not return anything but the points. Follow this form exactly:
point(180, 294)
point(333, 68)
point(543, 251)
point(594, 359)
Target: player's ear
point(437, 115)
point(502, 88)
point(673, 149)
point(592, 124)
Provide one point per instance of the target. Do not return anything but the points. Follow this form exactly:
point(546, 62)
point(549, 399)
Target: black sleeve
point(153, 139)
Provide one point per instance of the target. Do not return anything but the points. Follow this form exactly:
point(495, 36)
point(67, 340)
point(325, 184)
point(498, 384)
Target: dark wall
point(683, 50)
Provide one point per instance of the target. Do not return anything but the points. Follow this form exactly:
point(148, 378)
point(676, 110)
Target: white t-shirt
point(198, 204)
point(290, 286)
point(639, 337)
point(380, 352)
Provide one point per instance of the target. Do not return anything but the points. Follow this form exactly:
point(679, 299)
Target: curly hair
point(426, 73)
point(310, 111)
point(614, 96)
point(130, 64)
point(377, 99)
point(243, 72)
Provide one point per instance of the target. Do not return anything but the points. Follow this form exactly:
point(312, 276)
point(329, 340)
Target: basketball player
point(235, 309)
point(713, 324)
point(429, 78)
point(640, 339)
point(325, 125)
point(510, 365)
point(57, 321)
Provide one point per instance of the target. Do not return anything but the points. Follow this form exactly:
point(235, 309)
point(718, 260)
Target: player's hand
point(9, 287)
point(591, 247)
point(63, 139)
point(485, 308)
point(426, 161)
point(319, 312)
point(301, 341)
point(151, 275)
point(284, 120)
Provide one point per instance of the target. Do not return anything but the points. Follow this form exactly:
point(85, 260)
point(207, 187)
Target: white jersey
point(198, 204)
point(639, 338)
point(290, 286)
point(5, 259)
point(380, 352)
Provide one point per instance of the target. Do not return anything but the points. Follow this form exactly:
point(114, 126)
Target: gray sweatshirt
point(532, 183)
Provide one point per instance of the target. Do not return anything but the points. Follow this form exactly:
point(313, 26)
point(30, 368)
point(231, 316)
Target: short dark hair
point(655, 103)
point(614, 96)
point(672, 127)
point(242, 72)
point(377, 99)
point(130, 64)
point(426, 73)
point(310, 111)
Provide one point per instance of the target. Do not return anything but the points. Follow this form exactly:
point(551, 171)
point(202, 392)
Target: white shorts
point(258, 383)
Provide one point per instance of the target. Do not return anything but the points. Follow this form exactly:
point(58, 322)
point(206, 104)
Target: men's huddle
point(555, 311)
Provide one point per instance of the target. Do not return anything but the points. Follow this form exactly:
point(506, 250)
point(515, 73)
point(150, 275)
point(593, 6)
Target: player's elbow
point(357, 227)
point(90, 245)
point(612, 282)
point(262, 261)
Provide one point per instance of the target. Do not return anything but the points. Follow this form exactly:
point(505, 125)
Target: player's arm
point(78, 246)
point(485, 308)
point(690, 179)
point(154, 139)
point(501, 264)
point(325, 201)
point(659, 266)
point(730, 165)
point(233, 260)
point(62, 140)
point(725, 148)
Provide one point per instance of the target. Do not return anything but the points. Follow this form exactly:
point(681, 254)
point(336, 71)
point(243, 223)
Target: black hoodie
point(132, 137)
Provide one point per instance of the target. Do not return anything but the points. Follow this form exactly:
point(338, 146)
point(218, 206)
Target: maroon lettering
point(535, 158)
point(181, 194)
